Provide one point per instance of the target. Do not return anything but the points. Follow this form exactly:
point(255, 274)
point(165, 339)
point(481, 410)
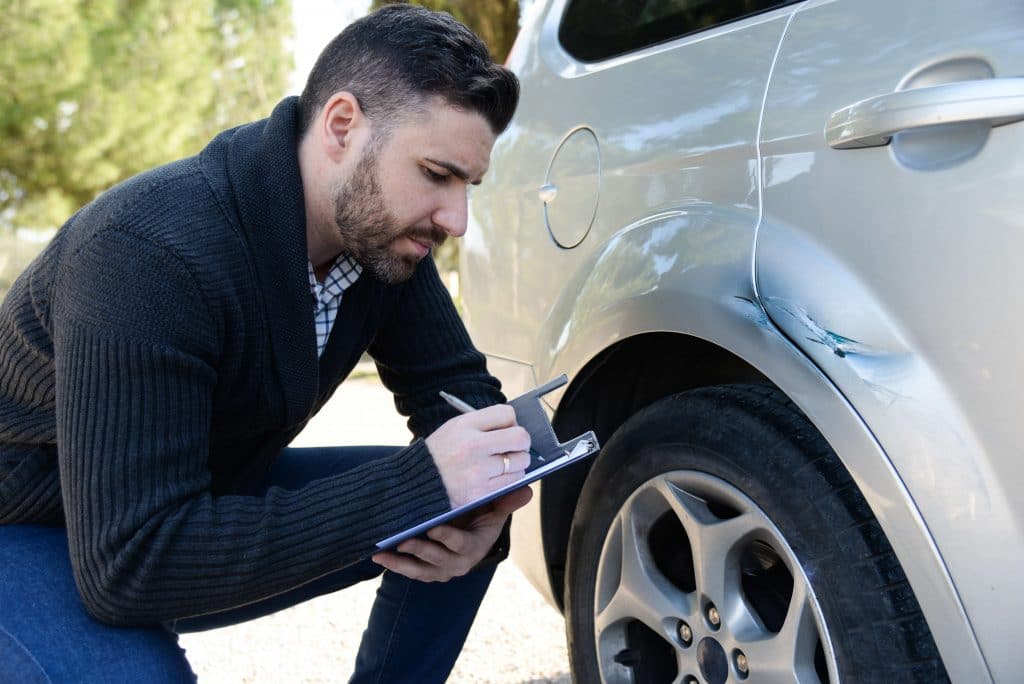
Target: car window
point(592, 30)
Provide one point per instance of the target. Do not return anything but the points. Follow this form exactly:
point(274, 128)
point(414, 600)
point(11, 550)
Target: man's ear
point(340, 121)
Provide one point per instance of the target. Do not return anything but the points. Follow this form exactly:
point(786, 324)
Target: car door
point(629, 111)
point(888, 251)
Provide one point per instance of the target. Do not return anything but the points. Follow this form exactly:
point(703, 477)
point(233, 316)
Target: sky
point(316, 22)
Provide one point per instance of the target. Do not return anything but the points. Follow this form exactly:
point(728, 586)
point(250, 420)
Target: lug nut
point(713, 617)
point(685, 633)
point(690, 679)
point(741, 664)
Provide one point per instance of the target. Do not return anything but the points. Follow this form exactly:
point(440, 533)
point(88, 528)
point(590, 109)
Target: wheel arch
point(605, 393)
point(631, 372)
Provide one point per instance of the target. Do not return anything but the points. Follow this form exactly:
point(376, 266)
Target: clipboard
point(547, 455)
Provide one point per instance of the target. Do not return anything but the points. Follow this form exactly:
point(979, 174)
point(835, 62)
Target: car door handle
point(873, 122)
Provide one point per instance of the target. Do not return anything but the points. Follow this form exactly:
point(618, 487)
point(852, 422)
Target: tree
point(495, 21)
point(97, 91)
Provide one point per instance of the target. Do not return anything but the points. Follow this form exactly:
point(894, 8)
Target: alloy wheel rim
point(696, 584)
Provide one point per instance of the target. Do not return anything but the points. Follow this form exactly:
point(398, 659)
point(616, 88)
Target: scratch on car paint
point(881, 371)
point(753, 311)
point(841, 346)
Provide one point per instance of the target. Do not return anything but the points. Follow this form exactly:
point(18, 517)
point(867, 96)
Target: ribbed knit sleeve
point(135, 354)
point(424, 348)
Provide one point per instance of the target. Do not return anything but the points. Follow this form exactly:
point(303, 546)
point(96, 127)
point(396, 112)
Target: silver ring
point(505, 463)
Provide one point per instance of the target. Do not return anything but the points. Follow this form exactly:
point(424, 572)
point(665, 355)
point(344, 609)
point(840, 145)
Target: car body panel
point(614, 296)
point(709, 157)
point(671, 248)
point(903, 256)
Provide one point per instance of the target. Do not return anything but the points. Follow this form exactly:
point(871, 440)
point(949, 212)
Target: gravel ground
point(517, 637)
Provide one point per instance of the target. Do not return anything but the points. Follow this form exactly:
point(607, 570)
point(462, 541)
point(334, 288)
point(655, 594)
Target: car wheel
point(719, 539)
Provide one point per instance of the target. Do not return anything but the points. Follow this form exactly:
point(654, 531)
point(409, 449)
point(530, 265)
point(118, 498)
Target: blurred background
point(95, 91)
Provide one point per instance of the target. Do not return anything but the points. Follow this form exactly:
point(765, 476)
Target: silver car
point(775, 246)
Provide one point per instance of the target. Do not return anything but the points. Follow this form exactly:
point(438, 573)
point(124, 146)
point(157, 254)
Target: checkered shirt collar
point(344, 272)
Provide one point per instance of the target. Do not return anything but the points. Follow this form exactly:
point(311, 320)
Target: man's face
point(407, 194)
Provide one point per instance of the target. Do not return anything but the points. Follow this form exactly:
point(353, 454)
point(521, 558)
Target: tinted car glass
point(592, 30)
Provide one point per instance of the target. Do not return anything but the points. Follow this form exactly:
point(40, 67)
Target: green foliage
point(495, 21)
point(98, 90)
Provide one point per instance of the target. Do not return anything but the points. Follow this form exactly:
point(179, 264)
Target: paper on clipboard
point(548, 455)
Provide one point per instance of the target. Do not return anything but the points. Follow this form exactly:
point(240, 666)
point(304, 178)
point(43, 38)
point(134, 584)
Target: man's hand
point(476, 453)
point(453, 550)
point(479, 452)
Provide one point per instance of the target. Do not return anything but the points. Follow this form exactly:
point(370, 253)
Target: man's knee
point(17, 665)
point(46, 634)
point(109, 655)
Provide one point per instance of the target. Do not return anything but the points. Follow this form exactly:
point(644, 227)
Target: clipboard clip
point(584, 446)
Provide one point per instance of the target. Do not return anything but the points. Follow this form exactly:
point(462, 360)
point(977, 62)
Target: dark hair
point(394, 58)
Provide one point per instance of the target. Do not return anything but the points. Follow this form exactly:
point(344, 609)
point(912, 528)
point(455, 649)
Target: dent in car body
point(906, 249)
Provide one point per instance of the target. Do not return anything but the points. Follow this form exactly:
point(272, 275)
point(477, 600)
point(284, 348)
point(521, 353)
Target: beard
point(369, 231)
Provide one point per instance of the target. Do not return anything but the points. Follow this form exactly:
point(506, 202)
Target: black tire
point(747, 455)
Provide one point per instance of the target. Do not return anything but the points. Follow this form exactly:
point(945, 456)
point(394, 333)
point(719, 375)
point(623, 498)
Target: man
point(180, 330)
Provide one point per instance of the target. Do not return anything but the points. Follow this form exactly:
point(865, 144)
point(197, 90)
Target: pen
point(456, 403)
point(463, 407)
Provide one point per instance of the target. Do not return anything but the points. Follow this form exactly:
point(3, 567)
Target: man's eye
point(434, 176)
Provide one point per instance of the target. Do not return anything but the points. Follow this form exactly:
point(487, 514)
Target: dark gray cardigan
point(159, 354)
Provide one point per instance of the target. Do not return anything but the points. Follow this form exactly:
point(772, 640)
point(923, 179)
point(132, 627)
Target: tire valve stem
point(627, 657)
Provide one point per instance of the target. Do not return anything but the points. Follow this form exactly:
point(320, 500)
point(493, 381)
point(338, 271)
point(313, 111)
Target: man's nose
point(450, 215)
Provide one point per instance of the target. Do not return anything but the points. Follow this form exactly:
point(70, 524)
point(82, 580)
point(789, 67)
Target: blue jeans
point(415, 631)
